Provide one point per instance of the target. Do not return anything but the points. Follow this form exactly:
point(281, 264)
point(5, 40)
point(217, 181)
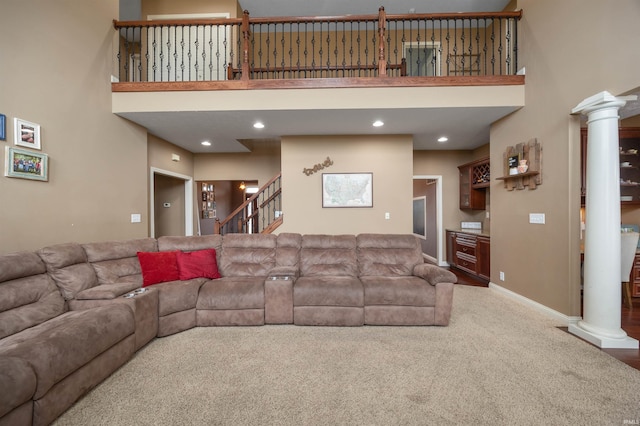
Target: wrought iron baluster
point(493, 47)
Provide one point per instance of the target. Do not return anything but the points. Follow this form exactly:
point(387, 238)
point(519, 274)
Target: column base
point(603, 342)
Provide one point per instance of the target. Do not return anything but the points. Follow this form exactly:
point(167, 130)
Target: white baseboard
point(564, 319)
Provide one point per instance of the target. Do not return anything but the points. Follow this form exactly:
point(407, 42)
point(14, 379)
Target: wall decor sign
point(26, 134)
point(3, 127)
point(347, 190)
point(20, 163)
point(420, 217)
point(326, 163)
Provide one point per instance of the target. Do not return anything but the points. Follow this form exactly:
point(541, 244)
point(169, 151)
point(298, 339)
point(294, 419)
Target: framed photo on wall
point(3, 127)
point(347, 190)
point(26, 134)
point(20, 163)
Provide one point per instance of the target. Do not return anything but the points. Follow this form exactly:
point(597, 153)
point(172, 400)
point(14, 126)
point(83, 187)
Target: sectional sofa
point(71, 314)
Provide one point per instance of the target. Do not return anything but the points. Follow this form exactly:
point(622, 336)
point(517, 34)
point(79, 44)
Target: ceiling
point(466, 128)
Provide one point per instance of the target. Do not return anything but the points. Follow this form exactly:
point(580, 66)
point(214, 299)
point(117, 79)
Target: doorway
point(170, 203)
point(427, 195)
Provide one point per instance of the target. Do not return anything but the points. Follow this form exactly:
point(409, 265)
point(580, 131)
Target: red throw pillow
point(198, 264)
point(158, 267)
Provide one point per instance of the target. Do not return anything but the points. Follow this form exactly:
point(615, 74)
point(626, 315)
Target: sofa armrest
point(107, 291)
point(19, 382)
point(283, 273)
point(434, 274)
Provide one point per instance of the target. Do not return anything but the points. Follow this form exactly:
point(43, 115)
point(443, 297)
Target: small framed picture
point(20, 163)
point(3, 127)
point(26, 134)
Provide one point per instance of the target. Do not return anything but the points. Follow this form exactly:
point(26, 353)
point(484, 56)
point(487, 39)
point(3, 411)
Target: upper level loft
point(378, 50)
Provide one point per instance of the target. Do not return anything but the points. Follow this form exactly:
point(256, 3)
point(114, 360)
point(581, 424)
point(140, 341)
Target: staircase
point(261, 213)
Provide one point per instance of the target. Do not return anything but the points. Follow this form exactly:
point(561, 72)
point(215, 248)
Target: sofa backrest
point(67, 264)
point(288, 249)
point(387, 254)
point(247, 255)
point(328, 255)
point(117, 261)
point(192, 243)
point(28, 295)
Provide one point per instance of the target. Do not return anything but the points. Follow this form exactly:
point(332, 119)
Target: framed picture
point(420, 217)
point(3, 127)
point(347, 190)
point(465, 64)
point(20, 163)
point(26, 134)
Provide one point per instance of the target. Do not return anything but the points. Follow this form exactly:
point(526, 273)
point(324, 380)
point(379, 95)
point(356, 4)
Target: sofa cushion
point(28, 296)
point(387, 254)
point(197, 264)
point(328, 255)
point(68, 266)
point(247, 255)
point(117, 261)
point(16, 375)
point(328, 291)
point(158, 267)
point(177, 296)
point(402, 291)
point(58, 347)
point(232, 293)
point(288, 249)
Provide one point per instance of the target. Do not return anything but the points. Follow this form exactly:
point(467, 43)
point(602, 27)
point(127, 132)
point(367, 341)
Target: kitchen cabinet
point(635, 277)
point(469, 252)
point(474, 179)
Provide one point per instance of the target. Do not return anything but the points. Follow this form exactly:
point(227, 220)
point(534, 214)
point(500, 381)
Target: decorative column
point(602, 292)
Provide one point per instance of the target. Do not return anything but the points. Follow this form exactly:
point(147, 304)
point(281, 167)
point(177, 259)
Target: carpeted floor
point(498, 363)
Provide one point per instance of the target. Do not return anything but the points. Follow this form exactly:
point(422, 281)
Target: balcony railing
point(414, 45)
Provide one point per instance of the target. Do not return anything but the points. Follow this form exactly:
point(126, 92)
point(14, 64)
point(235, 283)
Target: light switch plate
point(135, 218)
point(537, 218)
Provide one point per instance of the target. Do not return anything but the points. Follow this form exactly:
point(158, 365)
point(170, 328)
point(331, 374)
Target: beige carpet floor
point(498, 363)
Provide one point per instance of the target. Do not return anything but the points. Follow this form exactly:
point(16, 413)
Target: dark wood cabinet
point(474, 179)
point(483, 255)
point(635, 277)
point(629, 165)
point(470, 253)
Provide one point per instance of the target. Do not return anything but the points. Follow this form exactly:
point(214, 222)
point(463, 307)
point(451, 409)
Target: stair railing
point(260, 213)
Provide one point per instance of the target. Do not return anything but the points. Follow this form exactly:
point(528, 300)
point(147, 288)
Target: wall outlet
point(135, 218)
point(501, 276)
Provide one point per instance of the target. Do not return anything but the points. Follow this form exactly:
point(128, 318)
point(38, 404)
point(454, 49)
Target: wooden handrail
point(311, 19)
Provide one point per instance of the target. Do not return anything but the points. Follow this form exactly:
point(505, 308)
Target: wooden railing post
point(382, 26)
point(245, 45)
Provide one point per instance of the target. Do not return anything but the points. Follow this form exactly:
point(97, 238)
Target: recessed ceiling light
point(443, 139)
point(205, 143)
point(258, 125)
point(378, 123)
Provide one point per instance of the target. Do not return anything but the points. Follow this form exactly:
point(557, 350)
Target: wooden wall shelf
point(518, 176)
point(530, 151)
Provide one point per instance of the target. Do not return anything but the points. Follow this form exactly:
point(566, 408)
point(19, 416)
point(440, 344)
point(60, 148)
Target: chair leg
point(626, 290)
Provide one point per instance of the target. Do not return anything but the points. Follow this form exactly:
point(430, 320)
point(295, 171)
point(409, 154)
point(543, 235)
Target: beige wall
point(541, 262)
point(97, 161)
point(261, 164)
point(170, 7)
point(389, 158)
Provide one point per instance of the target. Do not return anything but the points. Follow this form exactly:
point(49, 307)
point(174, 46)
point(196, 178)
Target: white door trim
point(441, 260)
point(188, 200)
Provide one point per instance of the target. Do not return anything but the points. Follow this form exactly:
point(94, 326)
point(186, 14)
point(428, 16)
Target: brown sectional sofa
point(71, 314)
